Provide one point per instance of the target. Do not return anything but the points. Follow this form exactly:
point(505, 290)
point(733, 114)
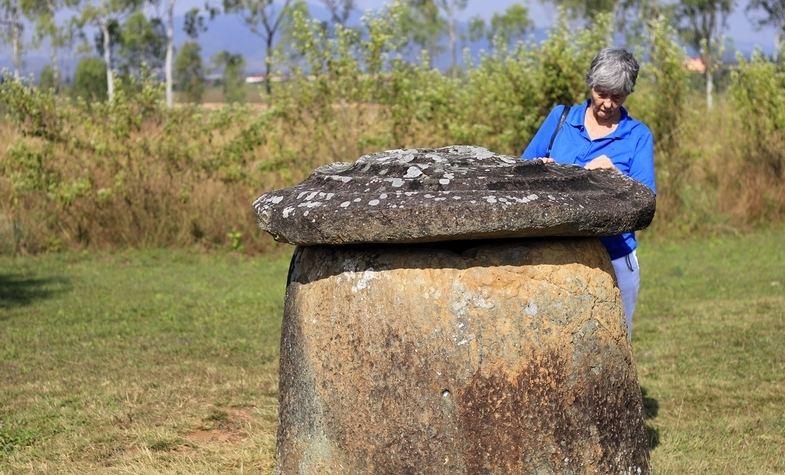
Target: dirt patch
point(214, 436)
point(223, 426)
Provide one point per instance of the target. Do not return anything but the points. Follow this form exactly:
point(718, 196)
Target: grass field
point(165, 361)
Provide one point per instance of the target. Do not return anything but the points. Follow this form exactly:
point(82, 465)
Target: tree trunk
point(16, 38)
point(268, 63)
point(709, 87)
point(108, 60)
point(169, 52)
point(53, 58)
point(453, 48)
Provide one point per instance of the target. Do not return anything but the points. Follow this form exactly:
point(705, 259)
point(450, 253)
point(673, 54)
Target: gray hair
point(614, 71)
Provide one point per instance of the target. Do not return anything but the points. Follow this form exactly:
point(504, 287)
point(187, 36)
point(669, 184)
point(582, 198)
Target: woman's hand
point(546, 159)
point(601, 162)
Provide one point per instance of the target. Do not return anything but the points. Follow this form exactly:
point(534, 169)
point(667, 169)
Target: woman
point(600, 134)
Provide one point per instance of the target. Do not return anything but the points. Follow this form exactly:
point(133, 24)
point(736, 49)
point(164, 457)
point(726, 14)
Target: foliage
point(510, 26)
point(662, 99)
point(188, 72)
point(142, 44)
point(106, 16)
point(702, 23)
point(774, 15)
point(758, 98)
point(263, 18)
point(48, 78)
point(233, 68)
point(340, 10)
point(587, 9)
point(90, 80)
point(421, 24)
point(114, 168)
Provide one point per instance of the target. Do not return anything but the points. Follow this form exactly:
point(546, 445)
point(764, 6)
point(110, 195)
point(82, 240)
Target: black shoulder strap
point(563, 117)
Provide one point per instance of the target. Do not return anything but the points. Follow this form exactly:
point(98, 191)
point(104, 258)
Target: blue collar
point(578, 112)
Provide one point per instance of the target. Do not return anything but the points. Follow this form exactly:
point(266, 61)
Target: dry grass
point(139, 363)
point(166, 362)
point(188, 178)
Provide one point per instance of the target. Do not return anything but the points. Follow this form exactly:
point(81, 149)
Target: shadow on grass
point(17, 290)
point(650, 409)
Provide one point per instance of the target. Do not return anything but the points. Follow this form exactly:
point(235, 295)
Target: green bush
point(77, 172)
point(90, 80)
point(189, 72)
point(48, 78)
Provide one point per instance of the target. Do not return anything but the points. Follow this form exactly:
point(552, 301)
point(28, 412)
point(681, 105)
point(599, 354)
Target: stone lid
point(451, 193)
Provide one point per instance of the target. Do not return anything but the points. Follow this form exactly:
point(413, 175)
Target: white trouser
point(628, 276)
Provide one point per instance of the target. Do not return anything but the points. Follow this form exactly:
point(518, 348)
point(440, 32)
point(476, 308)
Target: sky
point(739, 26)
point(232, 35)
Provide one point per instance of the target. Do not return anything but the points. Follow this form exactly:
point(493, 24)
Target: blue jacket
point(630, 147)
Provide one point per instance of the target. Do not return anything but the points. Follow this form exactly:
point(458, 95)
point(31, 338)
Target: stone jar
point(506, 356)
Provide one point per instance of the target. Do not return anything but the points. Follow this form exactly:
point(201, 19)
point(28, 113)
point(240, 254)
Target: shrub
point(131, 172)
point(189, 73)
point(90, 80)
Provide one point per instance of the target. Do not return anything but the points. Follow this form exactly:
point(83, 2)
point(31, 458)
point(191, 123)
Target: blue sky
point(543, 15)
point(739, 27)
point(232, 35)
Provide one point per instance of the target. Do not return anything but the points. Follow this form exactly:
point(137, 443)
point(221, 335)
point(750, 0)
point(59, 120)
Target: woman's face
point(606, 106)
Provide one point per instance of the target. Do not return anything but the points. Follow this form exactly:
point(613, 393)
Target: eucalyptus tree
point(774, 11)
point(340, 10)
point(586, 9)
point(142, 43)
point(508, 27)
point(511, 25)
point(233, 67)
point(60, 35)
point(189, 71)
point(702, 24)
point(451, 9)
point(263, 18)
point(422, 24)
point(103, 14)
point(12, 28)
point(12, 21)
point(168, 62)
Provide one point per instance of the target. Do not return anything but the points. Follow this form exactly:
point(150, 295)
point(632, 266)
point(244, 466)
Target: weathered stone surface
point(452, 193)
point(505, 357)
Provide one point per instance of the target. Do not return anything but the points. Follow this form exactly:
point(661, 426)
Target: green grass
point(164, 361)
point(139, 362)
point(709, 341)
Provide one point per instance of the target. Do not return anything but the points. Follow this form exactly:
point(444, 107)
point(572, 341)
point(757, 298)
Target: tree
point(421, 23)
point(451, 9)
point(188, 71)
point(510, 26)
point(476, 28)
point(702, 25)
point(264, 18)
point(12, 20)
point(48, 80)
point(12, 27)
point(104, 15)
point(775, 17)
point(142, 43)
point(60, 36)
point(194, 23)
point(90, 80)
point(340, 10)
point(233, 66)
point(587, 9)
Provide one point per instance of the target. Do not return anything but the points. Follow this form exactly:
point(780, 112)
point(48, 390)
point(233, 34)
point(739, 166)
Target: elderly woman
point(600, 134)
